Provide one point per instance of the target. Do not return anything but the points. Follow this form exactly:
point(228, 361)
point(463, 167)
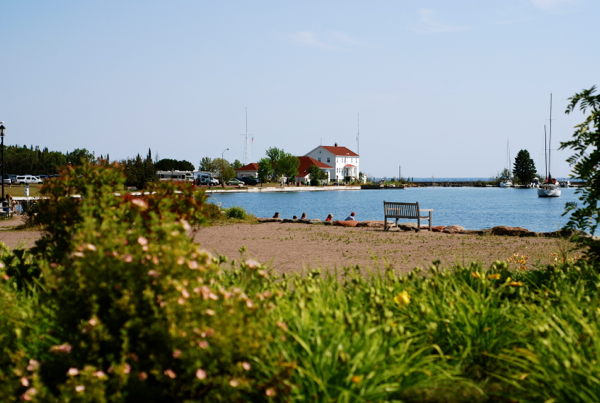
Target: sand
point(291, 247)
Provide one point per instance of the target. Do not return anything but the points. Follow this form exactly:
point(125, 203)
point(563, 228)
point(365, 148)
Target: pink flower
point(29, 393)
point(170, 374)
point(246, 366)
point(201, 374)
point(270, 392)
point(234, 383)
point(126, 368)
point(142, 241)
point(252, 264)
point(180, 260)
point(176, 353)
point(210, 312)
point(91, 247)
point(73, 371)
point(24, 381)
point(63, 348)
point(185, 293)
point(140, 203)
point(79, 388)
point(203, 344)
point(193, 264)
point(181, 301)
point(186, 225)
point(153, 273)
point(128, 258)
point(33, 365)
point(249, 303)
point(99, 374)
point(93, 322)
point(142, 376)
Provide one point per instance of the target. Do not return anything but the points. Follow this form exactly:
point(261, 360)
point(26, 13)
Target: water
point(471, 208)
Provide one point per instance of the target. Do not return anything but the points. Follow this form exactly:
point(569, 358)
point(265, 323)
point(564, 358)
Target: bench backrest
point(403, 210)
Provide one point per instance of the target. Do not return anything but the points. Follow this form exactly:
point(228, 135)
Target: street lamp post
point(223, 167)
point(2, 135)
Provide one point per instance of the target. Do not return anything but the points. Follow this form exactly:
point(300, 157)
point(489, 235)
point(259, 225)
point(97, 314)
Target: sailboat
point(506, 183)
point(550, 187)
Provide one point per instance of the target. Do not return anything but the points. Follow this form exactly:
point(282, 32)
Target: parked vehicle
point(176, 176)
point(7, 180)
point(248, 181)
point(25, 179)
point(235, 182)
point(206, 178)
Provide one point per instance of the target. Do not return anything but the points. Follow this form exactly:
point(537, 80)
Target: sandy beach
point(291, 247)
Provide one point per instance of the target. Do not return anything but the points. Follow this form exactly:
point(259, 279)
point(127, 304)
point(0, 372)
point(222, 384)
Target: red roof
point(305, 162)
point(340, 151)
point(350, 166)
point(250, 167)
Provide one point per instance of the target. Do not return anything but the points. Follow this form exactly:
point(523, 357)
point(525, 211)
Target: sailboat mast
point(545, 152)
point(550, 140)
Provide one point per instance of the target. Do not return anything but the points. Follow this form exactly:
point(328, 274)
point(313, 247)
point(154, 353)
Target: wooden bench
point(405, 210)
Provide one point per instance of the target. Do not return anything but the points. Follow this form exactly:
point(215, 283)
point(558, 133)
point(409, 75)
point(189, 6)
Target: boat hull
point(552, 192)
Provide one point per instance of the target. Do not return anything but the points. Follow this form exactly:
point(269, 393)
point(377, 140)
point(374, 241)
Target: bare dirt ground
point(289, 247)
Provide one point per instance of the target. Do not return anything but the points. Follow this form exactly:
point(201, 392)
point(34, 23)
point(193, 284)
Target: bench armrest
point(428, 209)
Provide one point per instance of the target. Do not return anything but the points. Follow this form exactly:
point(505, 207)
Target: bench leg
point(430, 221)
point(385, 224)
point(418, 224)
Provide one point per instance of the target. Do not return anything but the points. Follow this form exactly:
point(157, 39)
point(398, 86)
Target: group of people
point(351, 217)
point(11, 204)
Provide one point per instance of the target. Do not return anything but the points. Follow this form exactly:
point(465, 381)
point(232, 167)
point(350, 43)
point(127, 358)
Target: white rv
point(176, 176)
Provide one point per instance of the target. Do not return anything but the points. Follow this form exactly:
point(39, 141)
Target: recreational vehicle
point(177, 176)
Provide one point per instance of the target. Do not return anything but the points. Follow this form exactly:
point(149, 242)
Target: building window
point(328, 159)
point(319, 159)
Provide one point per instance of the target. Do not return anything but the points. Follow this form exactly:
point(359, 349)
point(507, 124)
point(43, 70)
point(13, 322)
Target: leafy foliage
point(524, 168)
point(585, 162)
point(167, 164)
point(265, 169)
point(139, 172)
point(316, 175)
point(207, 165)
point(224, 170)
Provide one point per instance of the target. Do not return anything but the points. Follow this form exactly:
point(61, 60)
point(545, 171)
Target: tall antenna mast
point(247, 147)
point(358, 135)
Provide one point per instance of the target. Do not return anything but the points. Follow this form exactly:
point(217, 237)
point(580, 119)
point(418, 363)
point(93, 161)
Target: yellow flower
point(516, 283)
point(475, 274)
point(402, 299)
point(356, 378)
point(495, 276)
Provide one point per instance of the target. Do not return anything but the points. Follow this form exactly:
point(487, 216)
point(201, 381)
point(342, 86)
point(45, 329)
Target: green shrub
point(236, 212)
point(139, 312)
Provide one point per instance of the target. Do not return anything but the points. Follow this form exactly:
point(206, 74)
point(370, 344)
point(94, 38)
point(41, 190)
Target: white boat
point(550, 187)
point(506, 183)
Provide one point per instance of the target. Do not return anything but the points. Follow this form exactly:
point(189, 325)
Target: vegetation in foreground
point(116, 304)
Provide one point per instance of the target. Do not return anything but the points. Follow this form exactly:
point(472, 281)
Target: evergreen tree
point(524, 168)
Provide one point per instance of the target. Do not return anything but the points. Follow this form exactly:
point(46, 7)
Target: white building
point(344, 162)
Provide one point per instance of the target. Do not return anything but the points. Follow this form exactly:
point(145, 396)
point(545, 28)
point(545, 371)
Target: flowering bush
point(139, 312)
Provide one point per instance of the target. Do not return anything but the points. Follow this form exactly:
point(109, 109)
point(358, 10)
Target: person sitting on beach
point(295, 217)
point(303, 217)
point(351, 217)
point(276, 215)
point(329, 217)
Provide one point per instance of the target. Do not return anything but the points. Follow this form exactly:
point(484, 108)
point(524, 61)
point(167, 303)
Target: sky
point(434, 88)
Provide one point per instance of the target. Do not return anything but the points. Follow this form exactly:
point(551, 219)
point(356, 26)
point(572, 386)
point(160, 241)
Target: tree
point(80, 155)
point(275, 154)
point(207, 165)
point(224, 170)
point(316, 174)
point(524, 168)
point(288, 166)
point(236, 164)
point(265, 169)
point(586, 165)
point(167, 164)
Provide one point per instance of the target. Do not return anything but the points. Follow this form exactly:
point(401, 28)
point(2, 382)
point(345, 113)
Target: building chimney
point(335, 144)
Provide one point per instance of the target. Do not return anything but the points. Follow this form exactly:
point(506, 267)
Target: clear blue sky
point(440, 86)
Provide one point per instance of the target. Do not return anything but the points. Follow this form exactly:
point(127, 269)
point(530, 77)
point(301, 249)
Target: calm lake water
point(471, 208)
